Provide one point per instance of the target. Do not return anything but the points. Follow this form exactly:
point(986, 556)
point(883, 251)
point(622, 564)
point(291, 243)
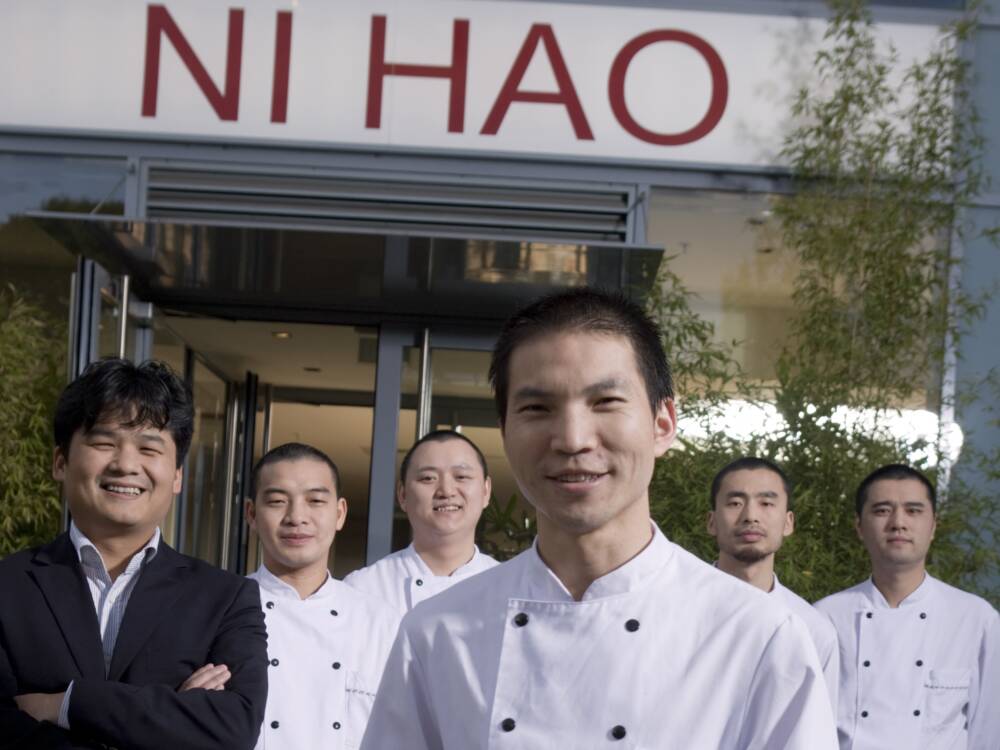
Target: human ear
point(664, 426)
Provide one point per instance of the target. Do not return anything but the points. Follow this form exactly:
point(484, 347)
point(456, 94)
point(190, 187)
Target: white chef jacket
point(824, 636)
point(403, 579)
point(326, 657)
point(664, 652)
point(923, 675)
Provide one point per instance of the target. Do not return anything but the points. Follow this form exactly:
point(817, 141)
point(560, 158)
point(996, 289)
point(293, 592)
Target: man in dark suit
point(108, 637)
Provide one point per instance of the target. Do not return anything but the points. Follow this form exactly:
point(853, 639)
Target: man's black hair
point(440, 436)
point(116, 390)
point(292, 452)
point(752, 463)
point(585, 310)
point(893, 471)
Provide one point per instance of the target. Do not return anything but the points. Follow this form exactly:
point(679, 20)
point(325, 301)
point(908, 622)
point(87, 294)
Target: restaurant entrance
point(355, 343)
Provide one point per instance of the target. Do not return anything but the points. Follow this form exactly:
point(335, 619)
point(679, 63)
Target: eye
point(317, 500)
point(531, 408)
point(150, 451)
point(609, 401)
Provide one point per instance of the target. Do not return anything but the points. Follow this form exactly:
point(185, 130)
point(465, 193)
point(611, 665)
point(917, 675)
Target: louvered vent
point(464, 208)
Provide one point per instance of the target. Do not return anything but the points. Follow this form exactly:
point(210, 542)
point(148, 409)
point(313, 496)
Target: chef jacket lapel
point(304, 643)
point(892, 645)
point(558, 659)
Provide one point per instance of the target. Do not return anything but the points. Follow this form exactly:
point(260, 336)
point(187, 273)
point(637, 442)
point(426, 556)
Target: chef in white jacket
point(326, 643)
point(920, 660)
point(604, 633)
point(751, 515)
point(444, 486)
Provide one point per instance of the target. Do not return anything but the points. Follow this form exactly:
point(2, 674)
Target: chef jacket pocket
point(947, 692)
point(360, 698)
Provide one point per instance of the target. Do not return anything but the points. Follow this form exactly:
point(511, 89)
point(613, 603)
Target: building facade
point(320, 212)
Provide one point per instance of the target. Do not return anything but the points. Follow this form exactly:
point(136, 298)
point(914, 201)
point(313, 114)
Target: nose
point(897, 519)
point(748, 514)
point(125, 460)
point(574, 431)
point(294, 513)
point(445, 486)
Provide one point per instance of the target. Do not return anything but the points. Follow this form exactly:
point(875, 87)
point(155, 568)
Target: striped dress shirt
point(110, 597)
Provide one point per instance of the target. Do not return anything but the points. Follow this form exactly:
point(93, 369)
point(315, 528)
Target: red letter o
point(716, 107)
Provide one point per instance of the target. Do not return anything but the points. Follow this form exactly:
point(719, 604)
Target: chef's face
point(751, 517)
point(118, 480)
point(579, 432)
point(897, 523)
point(444, 491)
point(296, 514)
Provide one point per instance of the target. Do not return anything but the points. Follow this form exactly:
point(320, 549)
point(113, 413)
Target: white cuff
point(64, 708)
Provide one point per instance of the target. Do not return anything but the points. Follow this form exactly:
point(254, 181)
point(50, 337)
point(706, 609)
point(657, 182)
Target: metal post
point(424, 386)
point(385, 430)
point(123, 316)
point(268, 409)
point(232, 438)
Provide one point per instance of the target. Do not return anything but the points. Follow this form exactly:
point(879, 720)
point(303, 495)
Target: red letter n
point(159, 21)
point(566, 95)
point(378, 69)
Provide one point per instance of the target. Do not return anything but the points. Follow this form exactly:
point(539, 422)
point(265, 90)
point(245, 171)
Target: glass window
point(30, 182)
point(461, 399)
point(205, 485)
point(726, 248)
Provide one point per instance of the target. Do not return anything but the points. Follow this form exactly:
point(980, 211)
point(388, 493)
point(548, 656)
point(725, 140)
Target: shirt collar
point(274, 585)
point(919, 595)
point(637, 572)
point(86, 550)
point(425, 571)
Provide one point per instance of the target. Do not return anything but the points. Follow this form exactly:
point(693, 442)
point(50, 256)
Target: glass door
point(445, 385)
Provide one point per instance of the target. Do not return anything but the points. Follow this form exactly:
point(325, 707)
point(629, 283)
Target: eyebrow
point(601, 386)
point(462, 465)
point(280, 491)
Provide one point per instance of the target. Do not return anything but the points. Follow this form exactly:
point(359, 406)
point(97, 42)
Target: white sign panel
point(511, 77)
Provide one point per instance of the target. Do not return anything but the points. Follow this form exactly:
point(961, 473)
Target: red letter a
point(226, 105)
point(566, 95)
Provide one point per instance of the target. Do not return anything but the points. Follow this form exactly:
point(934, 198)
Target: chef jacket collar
point(544, 585)
point(877, 601)
point(774, 586)
point(425, 570)
point(274, 585)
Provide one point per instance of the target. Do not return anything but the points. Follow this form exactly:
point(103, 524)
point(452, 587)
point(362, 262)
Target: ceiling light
point(281, 335)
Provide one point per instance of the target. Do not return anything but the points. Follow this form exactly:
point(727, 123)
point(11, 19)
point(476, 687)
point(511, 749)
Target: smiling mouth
point(296, 539)
point(125, 490)
point(578, 478)
point(447, 508)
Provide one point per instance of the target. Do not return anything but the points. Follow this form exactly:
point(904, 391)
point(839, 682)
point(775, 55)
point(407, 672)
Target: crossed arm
point(215, 707)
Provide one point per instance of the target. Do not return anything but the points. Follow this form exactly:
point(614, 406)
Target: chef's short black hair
point(893, 471)
point(292, 452)
point(587, 310)
point(440, 436)
point(116, 390)
point(752, 463)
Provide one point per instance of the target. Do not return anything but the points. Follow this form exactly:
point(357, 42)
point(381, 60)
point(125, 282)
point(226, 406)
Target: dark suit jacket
point(182, 614)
